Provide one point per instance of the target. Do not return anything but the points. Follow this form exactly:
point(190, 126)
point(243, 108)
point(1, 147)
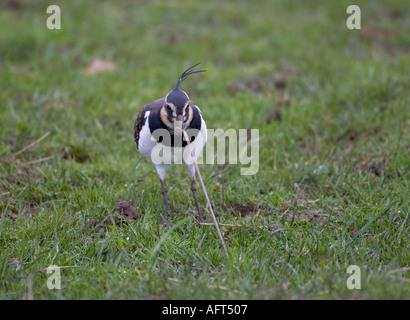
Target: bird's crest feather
point(186, 73)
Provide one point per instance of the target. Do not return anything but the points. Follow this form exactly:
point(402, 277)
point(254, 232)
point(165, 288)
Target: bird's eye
point(168, 107)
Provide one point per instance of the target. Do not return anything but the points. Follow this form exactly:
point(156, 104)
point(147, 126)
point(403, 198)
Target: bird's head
point(176, 110)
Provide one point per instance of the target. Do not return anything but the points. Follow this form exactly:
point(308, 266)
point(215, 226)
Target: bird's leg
point(164, 191)
point(193, 188)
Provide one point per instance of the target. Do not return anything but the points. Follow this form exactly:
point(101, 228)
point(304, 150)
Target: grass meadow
point(332, 107)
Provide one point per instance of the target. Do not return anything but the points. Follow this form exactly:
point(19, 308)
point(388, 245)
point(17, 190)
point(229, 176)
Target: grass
point(332, 109)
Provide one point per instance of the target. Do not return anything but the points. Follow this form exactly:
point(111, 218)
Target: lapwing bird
point(159, 126)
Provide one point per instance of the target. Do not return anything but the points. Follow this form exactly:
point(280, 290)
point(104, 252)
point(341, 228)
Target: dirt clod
point(78, 157)
point(285, 208)
point(274, 115)
point(123, 211)
point(256, 85)
point(124, 208)
point(275, 226)
point(244, 210)
point(309, 216)
point(376, 167)
point(279, 80)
